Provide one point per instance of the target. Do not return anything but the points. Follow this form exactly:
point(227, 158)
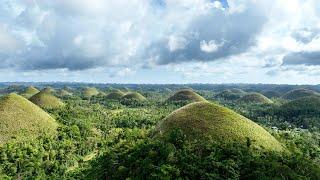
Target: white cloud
point(210, 46)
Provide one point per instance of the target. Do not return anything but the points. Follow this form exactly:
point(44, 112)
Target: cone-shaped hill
point(309, 106)
point(30, 91)
point(115, 95)
point(48, 90)
point(203, 119)
point(90, 91)
point(256, 98)
point(21, 119)
point(134, 96)
point(186, 95)
point(46, 100)
point(299, 93)
point(63, 93)
point(231, 94)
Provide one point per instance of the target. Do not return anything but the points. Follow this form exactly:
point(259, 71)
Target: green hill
point(230, 94)
point(203, 119)
point(90, 91)
point(299, 93)
point(46, 100)
point(255, 98)
point(134, 96)
point(186, 95)
point(30, 91)
point(115, 95)
point(20, 119)
point(48, 90)
point(63, 93)
point(271, 94)
point(305, 106)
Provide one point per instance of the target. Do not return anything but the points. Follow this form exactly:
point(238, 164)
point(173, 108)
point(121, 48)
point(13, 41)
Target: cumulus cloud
point(78, 35)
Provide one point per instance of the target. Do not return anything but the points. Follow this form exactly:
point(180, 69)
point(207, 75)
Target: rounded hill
point(46, 100)
point(63, 93)
point(230, 94)
point(305, 106)
point(134, 96)
point(115, 95)
point(203, 119)
point(90, 91)
point(299, 93)
point(30, 91)
point(256, 98)
point(21, 119)
point(186, 95)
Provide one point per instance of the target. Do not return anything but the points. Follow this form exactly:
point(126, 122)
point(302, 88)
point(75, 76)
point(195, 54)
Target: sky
point(160, 41)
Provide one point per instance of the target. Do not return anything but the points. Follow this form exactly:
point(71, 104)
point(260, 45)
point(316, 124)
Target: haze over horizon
point(160, 41)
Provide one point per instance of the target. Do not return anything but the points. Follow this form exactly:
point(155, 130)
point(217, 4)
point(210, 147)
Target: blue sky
point(160, 41)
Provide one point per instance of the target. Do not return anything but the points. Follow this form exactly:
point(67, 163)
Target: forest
point(132, 131)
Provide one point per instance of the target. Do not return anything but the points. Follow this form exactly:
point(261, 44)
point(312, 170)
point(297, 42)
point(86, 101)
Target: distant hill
point(186, 95)
point(299, 93)
point(134, 96)
point(30, 91)
point(46, 100)
point(255, 98)
point(115, 95)
point(203, 119)
point(20, 119)
point(230, 94)
point(90, 91)
point(272, 94)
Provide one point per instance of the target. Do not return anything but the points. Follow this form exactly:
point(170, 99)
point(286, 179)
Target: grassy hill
point(90, 91)
point(46, 100)
point(254, 98)
point(230, 94)
point(186, 95)
point(115, 95)
point(21, 119)
point(134, 96)
point(308, 106)
point(203, 119)
point(63, 93)
point(299, 93)
point(30, 91)
point(48, 90)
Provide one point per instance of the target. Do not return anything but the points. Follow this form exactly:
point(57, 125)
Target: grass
point(90, 91)
point(186, 95)
point(203, 119)
point(46, 100)
point(20, 119)
point(30, 91)
point(134, 96)
point(299, 93)
point(256, 98)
